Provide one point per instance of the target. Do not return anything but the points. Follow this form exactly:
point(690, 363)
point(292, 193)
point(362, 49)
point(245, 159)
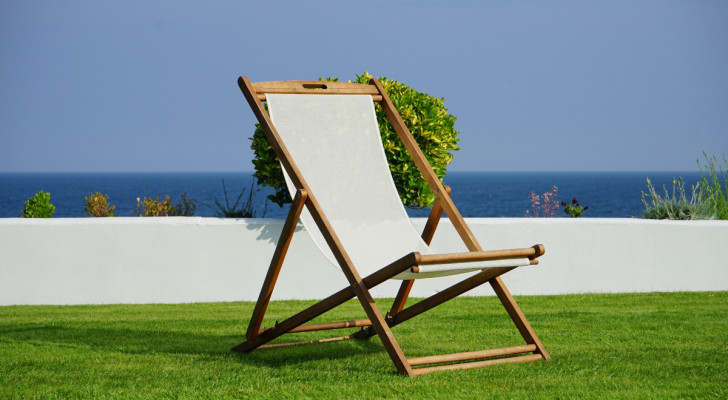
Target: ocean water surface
point(477, 194)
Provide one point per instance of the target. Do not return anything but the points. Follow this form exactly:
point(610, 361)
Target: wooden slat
point(471, 355)
point(476, 364)
point(314, 87)
point(276, 263)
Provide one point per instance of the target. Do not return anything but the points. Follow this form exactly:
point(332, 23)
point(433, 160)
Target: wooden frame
point(377, 323)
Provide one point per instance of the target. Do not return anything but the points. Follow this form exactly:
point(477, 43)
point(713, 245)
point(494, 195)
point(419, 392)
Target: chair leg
point(402, 295)
point(524, 327)
point(276, 263)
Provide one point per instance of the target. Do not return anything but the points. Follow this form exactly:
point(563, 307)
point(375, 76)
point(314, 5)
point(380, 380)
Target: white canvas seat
point(334, 140)
point(326, 137)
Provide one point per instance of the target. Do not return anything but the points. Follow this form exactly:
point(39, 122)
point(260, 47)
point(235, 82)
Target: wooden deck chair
point(327, 139)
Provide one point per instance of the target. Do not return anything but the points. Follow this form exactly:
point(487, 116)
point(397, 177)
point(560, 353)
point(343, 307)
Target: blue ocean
point(477, 194)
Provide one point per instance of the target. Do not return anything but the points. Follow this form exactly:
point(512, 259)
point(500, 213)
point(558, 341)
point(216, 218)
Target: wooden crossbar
point(471, 355)
point(330, 325)
point(314, 87)
point(476, 364)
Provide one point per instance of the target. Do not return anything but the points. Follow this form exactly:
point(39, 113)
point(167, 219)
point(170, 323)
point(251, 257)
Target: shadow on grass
point(141, 341)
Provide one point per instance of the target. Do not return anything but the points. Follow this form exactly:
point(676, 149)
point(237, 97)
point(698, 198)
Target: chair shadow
point(267, 231)
point(140, 341)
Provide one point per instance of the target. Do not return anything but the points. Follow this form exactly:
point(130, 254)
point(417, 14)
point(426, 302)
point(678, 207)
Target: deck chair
point(327, 139)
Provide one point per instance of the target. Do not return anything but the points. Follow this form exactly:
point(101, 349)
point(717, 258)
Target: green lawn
point(651, 345)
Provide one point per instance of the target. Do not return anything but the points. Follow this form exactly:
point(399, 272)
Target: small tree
point(427, 119)
point(39, 206)
point(97, 205)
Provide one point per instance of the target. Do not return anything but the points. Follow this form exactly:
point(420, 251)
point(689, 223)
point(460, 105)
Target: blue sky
point(536, 85)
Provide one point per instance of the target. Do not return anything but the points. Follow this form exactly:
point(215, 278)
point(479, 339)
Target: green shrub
point(574, 210)
point(97, 205)
point(674, 205)
point(165, 208)
point(39, 206)
point(708, 198)
point(425, 116)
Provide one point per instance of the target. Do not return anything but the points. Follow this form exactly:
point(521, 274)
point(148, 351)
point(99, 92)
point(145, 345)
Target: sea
point(477, 194)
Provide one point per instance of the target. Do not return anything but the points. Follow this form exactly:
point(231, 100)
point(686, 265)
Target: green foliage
point(165, 208)
point(574, 210)
point(39, 206)
point(674, 205)
point(246, 207)
point(714, 185)
point(708, 198)
point(425, 116)
point(97, 205)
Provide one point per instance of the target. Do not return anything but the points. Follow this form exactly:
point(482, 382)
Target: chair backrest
point(334, 141)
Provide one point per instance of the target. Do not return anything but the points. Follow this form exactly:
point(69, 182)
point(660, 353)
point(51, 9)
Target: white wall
point(192, 259)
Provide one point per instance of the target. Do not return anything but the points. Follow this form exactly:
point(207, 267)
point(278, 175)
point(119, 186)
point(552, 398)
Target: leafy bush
point(246, 207)
point(708, 198)
point(97, 205)
point(165, 208)
point(574, 210)
point(425, 116)
point(39, 206)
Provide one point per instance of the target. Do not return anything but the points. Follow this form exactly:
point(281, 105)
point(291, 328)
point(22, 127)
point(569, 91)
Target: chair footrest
point(471, 355)
point(477, 364)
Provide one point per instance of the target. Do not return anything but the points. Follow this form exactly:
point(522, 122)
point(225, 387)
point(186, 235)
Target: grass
point(649, 345)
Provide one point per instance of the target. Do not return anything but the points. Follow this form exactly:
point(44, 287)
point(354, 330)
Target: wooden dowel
point(331, 325)
point(476, 364)
point(450, 258)
point(471, 355)
point(291, 344)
